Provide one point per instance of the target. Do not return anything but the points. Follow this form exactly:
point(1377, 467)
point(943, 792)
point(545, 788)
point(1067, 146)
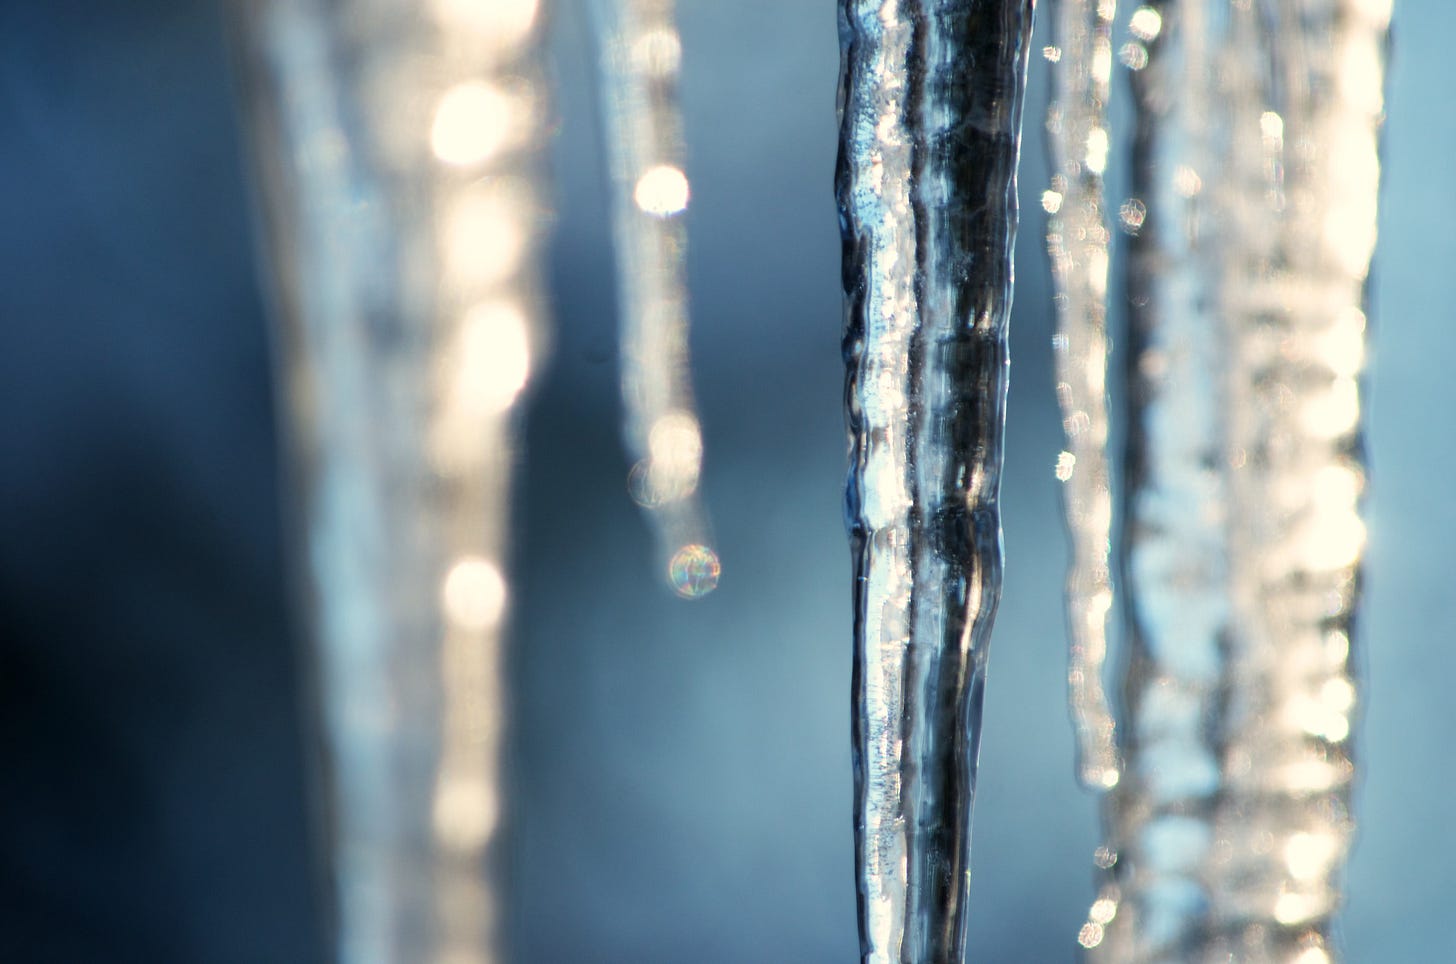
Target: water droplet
point(694, 571)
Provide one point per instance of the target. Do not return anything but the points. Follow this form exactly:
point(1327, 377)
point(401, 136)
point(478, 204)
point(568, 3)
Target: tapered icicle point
point(1079, 241)
point(641, 56)
point(931, 97)
point(398, 145)
point(1258, 168)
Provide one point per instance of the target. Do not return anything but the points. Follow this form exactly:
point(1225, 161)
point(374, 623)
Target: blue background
point(681, 769)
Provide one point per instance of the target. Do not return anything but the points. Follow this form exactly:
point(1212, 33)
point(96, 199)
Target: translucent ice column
point(395, 144)
point(1079, 242)
point(930, 100)
point(641, 56)
point(1257, 169)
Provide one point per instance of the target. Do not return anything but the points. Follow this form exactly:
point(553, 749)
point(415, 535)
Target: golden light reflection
point(1186, 181)
point(1051, 201)
point(1101, 68)
point(1377, 14)
point(1342, 348)
point(472, 122)
point(1097, 147)
point(1103, 910)
point(1354, 181)
point(494, 359)
point(1334, 412)
point(1145, 23)
point(676, 442)
point(1337, 487)
point(1313, 955)
point(1313, 775)
point(674, 462)
point(1291, 908)
point(1309, 855)
point(1090, 935)
point(662, 191)
point(657, 53)
point(483, 243)
point(504, 22)
point(1318, 718)
point(1271, 127)
point(474, 593)
point(1335, 542)
point(466, 812)
point(1338, 694)
point(1360, 78)
point(1097, 267)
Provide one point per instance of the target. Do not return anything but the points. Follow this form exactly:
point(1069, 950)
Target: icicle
point(931, 97)
point(396, 144)
point(1259, 171)
point(640, 59)
point(1078, 240)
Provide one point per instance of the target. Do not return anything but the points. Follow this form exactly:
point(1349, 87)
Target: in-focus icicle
point(1257, 163)
point(1079, 242)
point(396, 142)
point(641, 55)
point(930, 100)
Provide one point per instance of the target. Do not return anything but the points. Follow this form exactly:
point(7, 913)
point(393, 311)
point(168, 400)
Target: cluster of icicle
point(398, 146)
point(930, 102)
point(1252, 224)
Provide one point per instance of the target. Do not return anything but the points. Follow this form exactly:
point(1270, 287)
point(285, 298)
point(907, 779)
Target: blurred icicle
point(397, 146)
point(1079, 242)
point(1257, 165)
point(930, 101)
point(641, 55)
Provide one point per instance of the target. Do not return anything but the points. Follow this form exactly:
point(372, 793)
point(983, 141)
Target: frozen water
point(930, 99)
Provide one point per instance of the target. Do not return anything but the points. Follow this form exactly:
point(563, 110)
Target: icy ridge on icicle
point(931, 96)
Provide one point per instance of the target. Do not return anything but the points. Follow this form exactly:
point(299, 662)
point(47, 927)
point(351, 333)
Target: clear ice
point(930, 104)
point(395, 144)
point(1079, 244)
point(1256, 175)
point(641, 57)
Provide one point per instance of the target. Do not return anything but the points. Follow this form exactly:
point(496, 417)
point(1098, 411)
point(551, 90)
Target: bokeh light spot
point(694, 571)
point(663, 191)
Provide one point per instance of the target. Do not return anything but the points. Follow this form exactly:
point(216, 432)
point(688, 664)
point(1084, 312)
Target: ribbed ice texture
point(930, 98)
point(641, 56)
point(1078, 239)
point(395, 139)
point(1257, 165)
